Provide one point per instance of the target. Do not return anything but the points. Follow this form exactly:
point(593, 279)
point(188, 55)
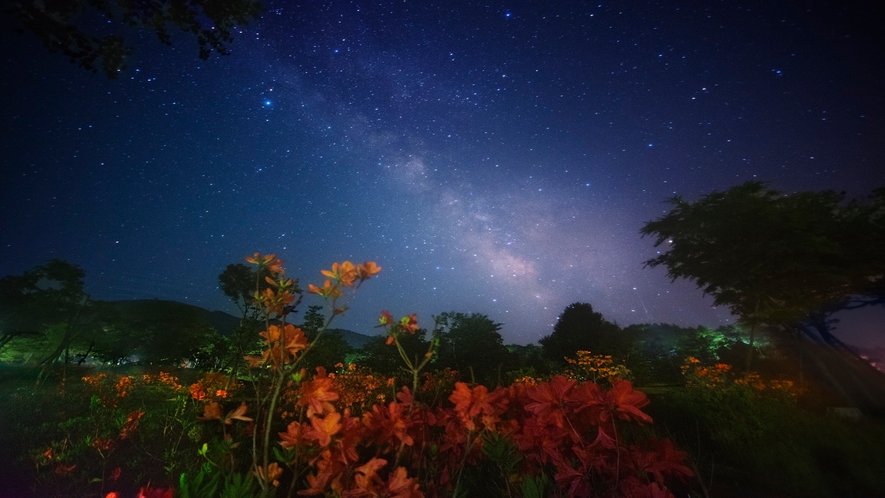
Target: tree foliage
point(581, 328)
point(772, 257)
point(472, 343)
point(49, 299)
point(90, 33)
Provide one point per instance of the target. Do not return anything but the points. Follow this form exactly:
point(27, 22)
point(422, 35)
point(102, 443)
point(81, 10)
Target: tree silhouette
point(771, 257)
point(472, 345)
point(49, 296)
point(90, 32)
point(581, 328)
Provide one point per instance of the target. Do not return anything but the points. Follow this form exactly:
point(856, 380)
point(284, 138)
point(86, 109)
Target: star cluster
point(490, 159)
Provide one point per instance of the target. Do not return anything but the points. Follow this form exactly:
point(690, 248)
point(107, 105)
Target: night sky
point(493, 158)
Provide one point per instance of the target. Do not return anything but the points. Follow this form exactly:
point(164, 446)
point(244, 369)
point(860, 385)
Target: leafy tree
point(529, 358)
point(87, 31)
point(472, 345)
point(239, 283)
point(313, 322)
point(581, 328)
point(49, 296)
point(169, 343)
point(330, 349)
point(771, 257)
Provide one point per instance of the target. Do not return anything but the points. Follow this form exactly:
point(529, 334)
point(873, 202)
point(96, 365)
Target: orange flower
point(272, 475)
point(131, 423)
point(212, 411)
point(367, 270)
point(102, 444)
point(268, 261)
point(345, 273)
point(317, 393)
point(275, 301)
point(290, 337)
point(399, 485)
point(238, 414)
point(197, 391)
point(292, 436)
point(324, 428)
point(328, 290)
point(366, 477)
point(123, 386)
point(254, 361)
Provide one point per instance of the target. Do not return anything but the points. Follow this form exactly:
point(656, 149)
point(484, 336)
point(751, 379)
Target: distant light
point(268, 103)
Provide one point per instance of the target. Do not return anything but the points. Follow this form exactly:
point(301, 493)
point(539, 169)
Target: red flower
point(399, 485)
point(386, 422)
point(472, 403)
point(625, 403)
point(147, 492)
point(366, 478)
point(548, 400)
point(664, 458)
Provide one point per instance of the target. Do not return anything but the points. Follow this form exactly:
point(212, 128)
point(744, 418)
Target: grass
point(745, 446)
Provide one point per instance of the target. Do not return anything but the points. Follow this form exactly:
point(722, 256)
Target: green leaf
point(535, 486)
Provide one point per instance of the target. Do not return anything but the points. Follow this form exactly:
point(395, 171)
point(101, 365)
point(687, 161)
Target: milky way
point(495, 159)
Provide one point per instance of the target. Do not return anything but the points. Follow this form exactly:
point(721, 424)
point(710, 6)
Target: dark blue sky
point(492, 158)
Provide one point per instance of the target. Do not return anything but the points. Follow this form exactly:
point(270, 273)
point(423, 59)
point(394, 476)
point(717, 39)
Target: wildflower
point(131, 423)
point(197, 391)
point(65, 469)
point(269, 261)
point(322, 429)
point(147, 492)
point(328, 290)
point(212, 411)
point(292, 437)
point(367, 270)
point(238, 414)
point(272, 475)
point(317, 393)
point(409, 323)
point(345, 273)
